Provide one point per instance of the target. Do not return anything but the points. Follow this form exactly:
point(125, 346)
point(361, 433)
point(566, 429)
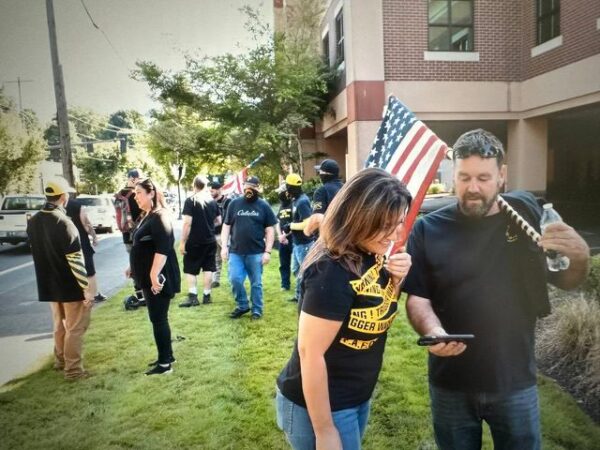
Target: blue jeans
point(285, 260)
point(298, 254)
point(513, 419)
point(251, 266)
point(294, 421)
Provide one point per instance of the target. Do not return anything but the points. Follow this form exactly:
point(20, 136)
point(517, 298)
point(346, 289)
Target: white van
point(100, 210)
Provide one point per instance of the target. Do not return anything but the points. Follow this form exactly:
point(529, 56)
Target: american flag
point(406, 148)
point(234, 185)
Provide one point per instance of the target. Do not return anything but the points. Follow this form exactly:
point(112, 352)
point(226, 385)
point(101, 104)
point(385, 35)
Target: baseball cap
point(57, 186)
point(134, 173)
point(293, 179)
point(253, 181)
point(328, 166)
point(215, 185)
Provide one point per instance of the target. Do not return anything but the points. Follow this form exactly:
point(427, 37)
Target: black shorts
point(88, 258)
point(199, 257)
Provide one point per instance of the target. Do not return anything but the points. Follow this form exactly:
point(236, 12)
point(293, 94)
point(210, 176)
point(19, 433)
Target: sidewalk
point(23, 354)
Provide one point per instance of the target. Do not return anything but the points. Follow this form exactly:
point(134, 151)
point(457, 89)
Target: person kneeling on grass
point(349, 300)
point(154, 268)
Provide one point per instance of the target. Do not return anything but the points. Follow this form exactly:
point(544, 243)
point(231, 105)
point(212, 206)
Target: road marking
point(12, 269)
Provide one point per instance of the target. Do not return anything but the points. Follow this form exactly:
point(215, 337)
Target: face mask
point(294, 191)
point(326, 177)
point(250, 194)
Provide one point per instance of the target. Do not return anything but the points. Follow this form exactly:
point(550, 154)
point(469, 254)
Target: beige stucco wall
point(363, 43)
point(527, 154)
point(360, 139)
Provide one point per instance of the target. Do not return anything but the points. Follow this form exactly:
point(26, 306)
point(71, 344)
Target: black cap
point(133, 173)
point(252, 180)
point(215, 185)
point(329, 166)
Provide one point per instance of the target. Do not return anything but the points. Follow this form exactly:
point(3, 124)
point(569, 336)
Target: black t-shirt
point(203, 217)
point(467, 268)
point(248, 221)
point(74, 212)
point(222, 203)
point(367, 306)
point(53, 236)
point(301, 211)
point(284, 215)
point(324, 195)
point(154, 234)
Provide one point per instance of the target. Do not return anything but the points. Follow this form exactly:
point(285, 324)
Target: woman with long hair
point(154, 268)
point(350, 298)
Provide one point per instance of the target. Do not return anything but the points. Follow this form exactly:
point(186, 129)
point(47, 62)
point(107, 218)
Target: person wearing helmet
point(301, 212)
point(329, 173)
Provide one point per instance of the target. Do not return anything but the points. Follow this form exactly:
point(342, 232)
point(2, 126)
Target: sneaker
point(80, 376)
point(192, 300)
point(215, 284)
point(100, 297)
point(172, 360)
point(283, 288)
point(295, 300)
point(206, 299)
point(256, 316)
point(237, 313)
point(159, 370)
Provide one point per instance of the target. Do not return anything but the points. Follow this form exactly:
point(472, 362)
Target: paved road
point(25, 323)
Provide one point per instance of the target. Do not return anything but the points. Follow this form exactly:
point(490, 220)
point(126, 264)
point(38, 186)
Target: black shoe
point(206, 299)
point(159, 370)
point(215, 284)
point(172, 360)
point(237, 313)
point(192, 300)
point(256, 316)
point(99, 297)
point(295, 300)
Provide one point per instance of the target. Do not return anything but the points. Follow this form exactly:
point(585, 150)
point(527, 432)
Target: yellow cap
point(293, 179)
point(57, 186)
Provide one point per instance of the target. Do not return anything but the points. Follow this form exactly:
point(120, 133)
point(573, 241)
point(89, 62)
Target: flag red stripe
point(408, 149)
point(409, 173)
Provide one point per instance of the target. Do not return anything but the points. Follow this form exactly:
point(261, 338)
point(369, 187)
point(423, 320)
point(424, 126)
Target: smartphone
point(432, 340)
point(161, 279)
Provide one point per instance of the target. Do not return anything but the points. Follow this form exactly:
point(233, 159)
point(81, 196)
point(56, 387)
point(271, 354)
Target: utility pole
point(61, 102)
point(19, 81)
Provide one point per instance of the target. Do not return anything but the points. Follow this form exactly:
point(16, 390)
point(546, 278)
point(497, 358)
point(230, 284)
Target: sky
point(97, 63)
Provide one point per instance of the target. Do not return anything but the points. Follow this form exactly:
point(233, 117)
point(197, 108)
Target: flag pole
point(518, 219)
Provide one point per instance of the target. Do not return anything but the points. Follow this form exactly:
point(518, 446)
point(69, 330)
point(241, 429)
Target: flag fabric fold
point(234, 184)
point(405, 147)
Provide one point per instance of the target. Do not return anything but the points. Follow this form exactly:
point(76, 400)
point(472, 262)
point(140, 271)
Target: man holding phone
point(474, 271)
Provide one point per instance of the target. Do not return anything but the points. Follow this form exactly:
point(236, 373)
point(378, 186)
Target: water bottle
point(555, 260)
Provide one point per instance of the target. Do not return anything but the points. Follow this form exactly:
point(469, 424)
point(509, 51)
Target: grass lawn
point(220, 395)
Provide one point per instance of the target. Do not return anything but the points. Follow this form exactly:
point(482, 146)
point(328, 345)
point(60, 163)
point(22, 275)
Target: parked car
point(434, 202)
point(15, 212)
point(100, 210)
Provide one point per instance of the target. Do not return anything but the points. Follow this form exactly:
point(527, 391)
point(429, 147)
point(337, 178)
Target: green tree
point(21, 147)
point(226, 110)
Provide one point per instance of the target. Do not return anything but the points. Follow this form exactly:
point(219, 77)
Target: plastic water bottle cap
point(547, 205)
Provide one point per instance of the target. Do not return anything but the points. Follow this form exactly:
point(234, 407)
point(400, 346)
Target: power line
point(103, 33)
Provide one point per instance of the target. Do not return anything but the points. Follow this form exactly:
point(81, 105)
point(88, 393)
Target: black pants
point(285, 259)
point(158, 311)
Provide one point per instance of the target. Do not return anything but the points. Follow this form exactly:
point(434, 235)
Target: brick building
point(527, 70)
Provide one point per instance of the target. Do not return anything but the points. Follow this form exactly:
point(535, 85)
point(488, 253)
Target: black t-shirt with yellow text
point(366, 306)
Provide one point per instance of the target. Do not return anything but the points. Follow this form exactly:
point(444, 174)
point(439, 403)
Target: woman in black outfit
point(154, 268)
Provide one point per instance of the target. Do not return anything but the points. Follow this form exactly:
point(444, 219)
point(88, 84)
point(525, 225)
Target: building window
point(451, 25)
point(548, 20)
point(325, 48)
point(339, 35)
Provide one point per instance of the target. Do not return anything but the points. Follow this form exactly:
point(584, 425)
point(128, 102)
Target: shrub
point(570, 339)
point(591, 286)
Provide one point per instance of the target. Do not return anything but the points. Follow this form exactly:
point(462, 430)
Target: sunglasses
point(487, 151)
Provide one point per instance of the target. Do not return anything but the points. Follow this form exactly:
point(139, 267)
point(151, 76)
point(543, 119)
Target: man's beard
point(479, 209)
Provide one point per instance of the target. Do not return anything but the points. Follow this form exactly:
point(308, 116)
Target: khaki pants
point(71, 319)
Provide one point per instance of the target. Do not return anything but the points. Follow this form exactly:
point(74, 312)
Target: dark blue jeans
point(285, 261)
point(513, 419)
point(158, 311)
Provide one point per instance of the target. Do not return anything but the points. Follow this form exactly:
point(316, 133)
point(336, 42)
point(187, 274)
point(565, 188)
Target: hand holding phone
point(432, 340)
point(161, 279)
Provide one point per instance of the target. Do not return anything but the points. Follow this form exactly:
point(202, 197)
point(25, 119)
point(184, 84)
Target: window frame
point(541, 17)
point(325, 49)
point(449, 25)
point(340, 55)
